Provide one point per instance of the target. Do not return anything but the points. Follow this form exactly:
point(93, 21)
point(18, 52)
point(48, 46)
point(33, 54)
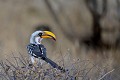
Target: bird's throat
point(38, 40)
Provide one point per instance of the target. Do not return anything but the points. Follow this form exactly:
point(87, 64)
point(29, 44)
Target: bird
point(36, 49)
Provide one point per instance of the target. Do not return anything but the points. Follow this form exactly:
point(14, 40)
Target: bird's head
point(37, 36)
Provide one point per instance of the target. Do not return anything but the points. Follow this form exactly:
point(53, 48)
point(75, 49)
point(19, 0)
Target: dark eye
point(40, 34)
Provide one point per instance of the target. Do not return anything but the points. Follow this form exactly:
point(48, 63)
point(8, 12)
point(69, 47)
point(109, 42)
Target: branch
point(104, 8)
point(90, 6)
point(106, 74)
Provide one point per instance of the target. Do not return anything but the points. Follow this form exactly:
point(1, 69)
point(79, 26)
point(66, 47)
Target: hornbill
point(37, 51)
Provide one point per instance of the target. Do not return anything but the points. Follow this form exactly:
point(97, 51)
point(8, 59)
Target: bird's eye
point(40, 34)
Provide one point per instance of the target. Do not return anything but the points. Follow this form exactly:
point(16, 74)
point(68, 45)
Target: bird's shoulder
point(31, 45)
point(36, 47)
point(36, 50)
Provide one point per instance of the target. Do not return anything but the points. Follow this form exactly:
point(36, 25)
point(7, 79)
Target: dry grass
point(21, 69)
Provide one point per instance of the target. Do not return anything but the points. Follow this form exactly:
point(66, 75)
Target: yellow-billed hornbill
point(37, 51)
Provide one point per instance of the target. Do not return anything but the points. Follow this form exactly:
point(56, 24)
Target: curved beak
point(48, 34)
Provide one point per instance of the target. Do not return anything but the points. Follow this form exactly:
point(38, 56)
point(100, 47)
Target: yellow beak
point(48, 34)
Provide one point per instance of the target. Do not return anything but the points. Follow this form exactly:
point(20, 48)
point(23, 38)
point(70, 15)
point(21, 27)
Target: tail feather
point(53, 64)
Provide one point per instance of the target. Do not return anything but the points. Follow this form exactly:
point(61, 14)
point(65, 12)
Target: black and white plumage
point(37, 51)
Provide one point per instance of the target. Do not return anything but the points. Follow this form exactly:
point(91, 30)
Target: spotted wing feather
point(36, 50)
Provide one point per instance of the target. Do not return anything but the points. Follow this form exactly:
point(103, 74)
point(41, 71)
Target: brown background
point(73, 22)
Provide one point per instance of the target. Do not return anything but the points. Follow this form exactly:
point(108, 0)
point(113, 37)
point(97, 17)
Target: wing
point(36, 50)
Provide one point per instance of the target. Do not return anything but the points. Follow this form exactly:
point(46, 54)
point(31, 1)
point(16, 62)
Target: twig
point(62, 58)
point(3, 66)
point(4, 76)
point(15, 60)
point(106, 74)
point(22, 62)
point(89, 71)
point(14, 75)
point(11, 64)
point(23, 58)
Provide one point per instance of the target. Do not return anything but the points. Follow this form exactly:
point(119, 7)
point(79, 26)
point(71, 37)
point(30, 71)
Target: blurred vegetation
point(76, 70)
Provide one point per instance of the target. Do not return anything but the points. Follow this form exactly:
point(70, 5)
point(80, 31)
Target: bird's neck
point(35, 40)
point(38, 40)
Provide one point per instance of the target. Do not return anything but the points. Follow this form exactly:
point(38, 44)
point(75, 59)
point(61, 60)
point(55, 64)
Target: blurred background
point(87, 29)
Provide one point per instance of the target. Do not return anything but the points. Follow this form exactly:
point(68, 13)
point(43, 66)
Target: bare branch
point(118, 9)
point(106, 74)
point(104, 8)
point(92, 6)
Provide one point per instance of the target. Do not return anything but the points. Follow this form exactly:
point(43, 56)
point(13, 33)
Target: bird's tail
point(53, 64)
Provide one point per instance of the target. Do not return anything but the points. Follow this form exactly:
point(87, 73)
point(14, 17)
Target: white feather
point(32, 59)
point(33, 37)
